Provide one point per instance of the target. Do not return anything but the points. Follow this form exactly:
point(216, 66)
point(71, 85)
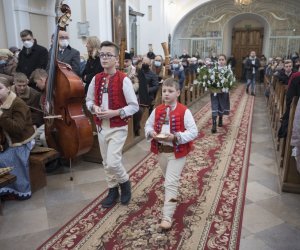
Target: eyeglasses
point(108, 56)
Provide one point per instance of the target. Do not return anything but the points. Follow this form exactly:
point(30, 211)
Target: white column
point(105, 20)
point(51, 19)
point(16, 19)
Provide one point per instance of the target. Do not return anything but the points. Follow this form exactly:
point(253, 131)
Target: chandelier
point(242, 2)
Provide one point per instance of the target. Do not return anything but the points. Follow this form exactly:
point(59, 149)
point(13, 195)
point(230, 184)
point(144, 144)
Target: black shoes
point(220, 123)
point(125, 192)
point(112, 198)
point(113, 195)
point(214, 125)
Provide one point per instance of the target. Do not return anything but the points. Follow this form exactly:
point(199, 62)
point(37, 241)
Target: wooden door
point(243, 42)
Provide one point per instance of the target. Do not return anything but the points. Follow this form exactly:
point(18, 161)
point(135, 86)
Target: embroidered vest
point(116, 98)
point(176, 125)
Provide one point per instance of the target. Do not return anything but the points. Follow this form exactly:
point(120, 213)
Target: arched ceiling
point(197, 16)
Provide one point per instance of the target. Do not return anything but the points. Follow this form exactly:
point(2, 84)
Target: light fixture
point(242, 2)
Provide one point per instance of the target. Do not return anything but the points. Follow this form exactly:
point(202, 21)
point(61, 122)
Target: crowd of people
point(112, 97)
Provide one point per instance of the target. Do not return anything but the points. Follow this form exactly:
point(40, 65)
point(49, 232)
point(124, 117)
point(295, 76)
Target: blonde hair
point(171, 82)
point(38, 73)
point(20, 77)
point(95, 43)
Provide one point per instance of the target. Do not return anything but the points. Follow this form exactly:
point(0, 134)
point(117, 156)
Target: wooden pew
point(38, 159)
point(290, 177)
point(4, 181)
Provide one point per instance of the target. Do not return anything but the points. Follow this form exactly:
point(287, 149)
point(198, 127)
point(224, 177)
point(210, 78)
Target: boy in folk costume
point(112, 100)
point(172, 129)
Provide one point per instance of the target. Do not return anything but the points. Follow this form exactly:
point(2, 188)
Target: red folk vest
point(116, 98)
point(176, 125)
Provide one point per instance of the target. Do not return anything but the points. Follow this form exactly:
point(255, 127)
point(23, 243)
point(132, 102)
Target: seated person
point(30, 96)
point(285, 73)
point(39, 77)
point(15, 121)
point(8, 64)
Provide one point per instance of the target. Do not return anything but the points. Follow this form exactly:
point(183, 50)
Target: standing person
point(66, 53)
point(112, 100)
point(262, 68)
point(252, 65)
point(32, 55)
point(220, 103)
point(172, 128)
point(15, 121)
point(178, 72)
point(93, 64)
point(158, 68)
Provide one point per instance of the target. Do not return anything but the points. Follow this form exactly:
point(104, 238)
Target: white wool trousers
point(171, 168)
point(111, 142)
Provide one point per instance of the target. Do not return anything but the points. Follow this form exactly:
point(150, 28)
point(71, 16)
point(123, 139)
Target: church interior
point(240, 185)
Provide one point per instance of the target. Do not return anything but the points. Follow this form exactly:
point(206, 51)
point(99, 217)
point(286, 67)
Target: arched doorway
point(244, 33)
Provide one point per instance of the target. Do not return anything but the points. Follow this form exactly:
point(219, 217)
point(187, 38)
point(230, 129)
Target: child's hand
point(169, 138)
point(153, 135)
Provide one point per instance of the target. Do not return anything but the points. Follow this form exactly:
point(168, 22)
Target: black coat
point(93, 66)
point(249, 67)
point(148, 86)
point(37, 57)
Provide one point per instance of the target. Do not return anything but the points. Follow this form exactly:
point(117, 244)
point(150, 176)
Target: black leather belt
point(165, 148)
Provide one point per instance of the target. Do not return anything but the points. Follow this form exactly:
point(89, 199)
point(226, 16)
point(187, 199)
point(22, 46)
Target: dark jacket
point(31, 59)
point(92, 67)
point(15, 120)
point(32, 98)
point(251, 68)
point(70, 56)
point(283, 77)
point(148, 86)
point(180, 75)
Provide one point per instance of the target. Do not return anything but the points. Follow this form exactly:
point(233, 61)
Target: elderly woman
point(16, 125)
point(8, 64)
point(295, 140)
point(93, 65)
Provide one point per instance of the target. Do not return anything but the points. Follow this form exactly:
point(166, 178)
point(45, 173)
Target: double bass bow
point(67, 128)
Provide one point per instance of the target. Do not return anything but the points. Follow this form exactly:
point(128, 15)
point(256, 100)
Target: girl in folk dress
point(220, 103)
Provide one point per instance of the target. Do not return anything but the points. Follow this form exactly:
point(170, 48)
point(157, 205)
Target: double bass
point(67, 128)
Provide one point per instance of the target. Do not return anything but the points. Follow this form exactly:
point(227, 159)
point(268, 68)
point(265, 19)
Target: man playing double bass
point(112, 100)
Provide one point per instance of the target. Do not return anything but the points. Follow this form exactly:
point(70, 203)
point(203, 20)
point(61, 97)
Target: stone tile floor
point(271, 218)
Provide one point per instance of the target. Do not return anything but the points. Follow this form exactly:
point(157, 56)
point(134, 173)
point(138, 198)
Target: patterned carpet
point(212, 194)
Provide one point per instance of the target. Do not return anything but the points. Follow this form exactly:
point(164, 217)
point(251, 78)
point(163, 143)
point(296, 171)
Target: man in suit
point(66, 53)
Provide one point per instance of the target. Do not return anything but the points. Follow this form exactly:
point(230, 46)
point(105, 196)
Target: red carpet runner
point(212, 194)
